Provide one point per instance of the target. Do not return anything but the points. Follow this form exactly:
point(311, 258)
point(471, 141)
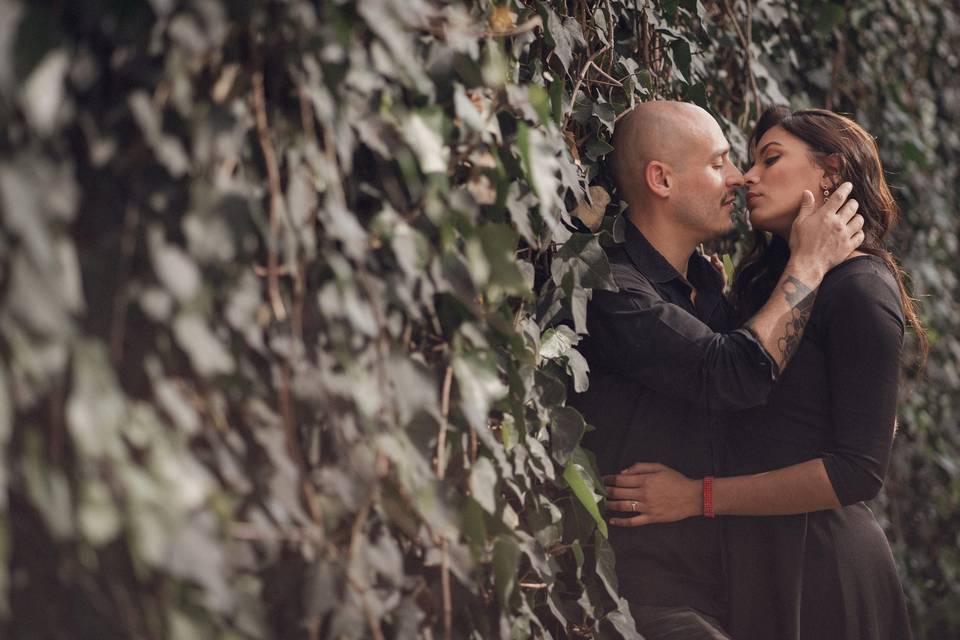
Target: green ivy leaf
point(583, 257)
point(422, 132)
point(681, 58)
point(564, 34)
point(483, 484)
point(579, 369)
point(566, 429)
point(597, 148)
point(582, 482)
point(605, 113)
point(499, 243)
point(479, 385)
point(556, 342)
point(506, 555)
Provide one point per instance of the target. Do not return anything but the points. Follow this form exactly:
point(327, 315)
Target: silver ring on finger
point(635, 505)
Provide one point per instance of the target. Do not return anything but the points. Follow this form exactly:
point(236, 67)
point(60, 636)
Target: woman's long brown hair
point(829, 135)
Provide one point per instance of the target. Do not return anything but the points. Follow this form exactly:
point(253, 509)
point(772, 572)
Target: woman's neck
point(786, 238)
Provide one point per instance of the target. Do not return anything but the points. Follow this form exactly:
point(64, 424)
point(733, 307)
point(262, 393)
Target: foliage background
point(285, 288)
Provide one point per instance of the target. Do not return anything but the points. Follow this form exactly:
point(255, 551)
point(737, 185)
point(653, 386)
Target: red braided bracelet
point(708, 497)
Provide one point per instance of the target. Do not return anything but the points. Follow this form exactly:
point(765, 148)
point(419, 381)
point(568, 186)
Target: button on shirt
point(661, 374)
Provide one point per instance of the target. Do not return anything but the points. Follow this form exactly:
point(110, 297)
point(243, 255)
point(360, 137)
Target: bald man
point(664, 354)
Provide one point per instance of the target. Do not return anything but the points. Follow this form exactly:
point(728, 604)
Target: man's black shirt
point(660, 371)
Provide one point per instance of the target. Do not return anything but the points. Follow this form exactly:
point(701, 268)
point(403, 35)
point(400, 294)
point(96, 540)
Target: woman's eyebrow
point(764, 147)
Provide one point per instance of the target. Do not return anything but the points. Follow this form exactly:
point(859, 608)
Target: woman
point(821, 568)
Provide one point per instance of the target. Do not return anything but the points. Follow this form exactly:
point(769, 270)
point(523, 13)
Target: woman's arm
point(657, 493)
point(862, 345)
point(863, 342)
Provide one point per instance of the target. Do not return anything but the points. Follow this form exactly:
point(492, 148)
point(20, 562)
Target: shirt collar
point(652, 264)
point(646, 258)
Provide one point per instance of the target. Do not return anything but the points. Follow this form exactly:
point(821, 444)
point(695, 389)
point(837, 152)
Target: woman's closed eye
point(770, 160)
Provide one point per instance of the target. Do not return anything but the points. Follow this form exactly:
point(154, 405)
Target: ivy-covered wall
point(290, 293)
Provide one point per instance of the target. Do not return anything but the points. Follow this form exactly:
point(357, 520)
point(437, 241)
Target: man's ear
point(659, 178)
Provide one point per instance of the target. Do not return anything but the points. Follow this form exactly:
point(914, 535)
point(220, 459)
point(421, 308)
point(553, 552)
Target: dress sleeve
point(638, 335)
point(863, 326)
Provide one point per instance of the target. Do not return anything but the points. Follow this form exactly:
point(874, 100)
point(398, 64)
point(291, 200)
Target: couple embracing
point(741, 434)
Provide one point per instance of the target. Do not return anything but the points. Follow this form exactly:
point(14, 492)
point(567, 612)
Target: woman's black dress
point(829, 574)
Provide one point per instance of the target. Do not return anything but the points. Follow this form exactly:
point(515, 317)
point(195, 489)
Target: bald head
point(664, 131)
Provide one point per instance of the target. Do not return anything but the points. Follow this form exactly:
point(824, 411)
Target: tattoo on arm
point(797, 294)
point(800, 297)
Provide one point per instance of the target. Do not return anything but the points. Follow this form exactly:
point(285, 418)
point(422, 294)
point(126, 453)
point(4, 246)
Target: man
point(660, 364)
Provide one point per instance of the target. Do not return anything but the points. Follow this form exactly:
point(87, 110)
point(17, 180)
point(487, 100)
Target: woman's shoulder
point(861, 284)
point(865, 271)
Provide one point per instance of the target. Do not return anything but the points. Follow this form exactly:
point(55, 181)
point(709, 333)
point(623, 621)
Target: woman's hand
point(653, 493)
point(717, 263)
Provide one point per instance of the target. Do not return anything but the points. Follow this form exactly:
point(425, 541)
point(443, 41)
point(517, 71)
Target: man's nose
point(734, 178)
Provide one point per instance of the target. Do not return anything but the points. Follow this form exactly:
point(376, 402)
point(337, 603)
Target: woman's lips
point(752, 196)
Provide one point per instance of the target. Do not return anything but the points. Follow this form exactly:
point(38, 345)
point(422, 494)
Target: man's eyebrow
point(721, 152)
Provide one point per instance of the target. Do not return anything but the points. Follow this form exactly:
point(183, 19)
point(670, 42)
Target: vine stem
point(273, 276)
point(608, 79)
point(273, 182)
point(610, 32)
point(441, 472)
point(583, 74)
point(356, 534)
point(299, 282)
point(444, 411)
point(745, 41)
point(121, 301)
point(445, 586)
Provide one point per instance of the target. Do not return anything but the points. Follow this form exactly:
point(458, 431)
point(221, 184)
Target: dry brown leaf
point(481, 188)
point(592, 214)
point(502, 19)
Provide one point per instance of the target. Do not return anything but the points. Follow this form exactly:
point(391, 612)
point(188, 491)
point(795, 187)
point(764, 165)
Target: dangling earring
point(826, 194)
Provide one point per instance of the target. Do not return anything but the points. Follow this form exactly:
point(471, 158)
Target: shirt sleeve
point(863, 328)
point(637, 334)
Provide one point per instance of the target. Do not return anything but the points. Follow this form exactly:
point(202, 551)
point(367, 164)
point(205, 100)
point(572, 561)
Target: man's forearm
point(780, 324)
point(800, 488)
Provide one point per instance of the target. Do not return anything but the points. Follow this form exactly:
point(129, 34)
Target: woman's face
point(783, 168)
